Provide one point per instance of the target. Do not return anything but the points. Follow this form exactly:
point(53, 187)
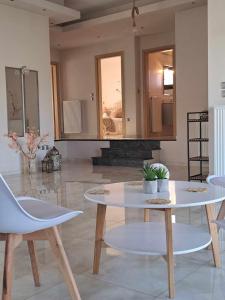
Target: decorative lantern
point(47, 165)
point(56, 158)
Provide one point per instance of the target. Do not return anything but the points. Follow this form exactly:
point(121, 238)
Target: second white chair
point(219, 181)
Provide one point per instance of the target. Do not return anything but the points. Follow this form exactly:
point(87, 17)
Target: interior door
point(160, 98)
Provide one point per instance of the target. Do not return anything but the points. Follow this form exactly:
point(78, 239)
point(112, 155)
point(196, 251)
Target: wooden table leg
point(221, 214)
point(211, 216)
point(147, 215)
point(170, 257)
point(99, 232)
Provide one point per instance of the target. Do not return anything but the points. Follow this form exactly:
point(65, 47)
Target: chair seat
point(43, 210)
point(43, 214)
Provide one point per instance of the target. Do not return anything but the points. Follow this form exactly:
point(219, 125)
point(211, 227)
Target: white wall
point(24, 42)
point(55, 55)
point(216, 63)
point(72, 150)
point(191, 77)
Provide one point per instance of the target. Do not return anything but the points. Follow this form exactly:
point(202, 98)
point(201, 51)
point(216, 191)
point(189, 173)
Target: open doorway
point(160, 94)
point(110, 98)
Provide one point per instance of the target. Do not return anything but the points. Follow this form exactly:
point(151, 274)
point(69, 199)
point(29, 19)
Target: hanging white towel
point(72, 116)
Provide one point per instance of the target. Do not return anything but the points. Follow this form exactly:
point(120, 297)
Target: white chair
point(30, 219)
point(216, 180)
point(220, 181)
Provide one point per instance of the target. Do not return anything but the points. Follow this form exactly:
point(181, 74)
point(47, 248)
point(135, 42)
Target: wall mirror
point(22, 99)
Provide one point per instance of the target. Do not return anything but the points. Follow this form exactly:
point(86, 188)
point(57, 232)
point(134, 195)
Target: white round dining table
point(155, 238)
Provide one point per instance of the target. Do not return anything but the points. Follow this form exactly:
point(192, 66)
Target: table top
point(131, 194)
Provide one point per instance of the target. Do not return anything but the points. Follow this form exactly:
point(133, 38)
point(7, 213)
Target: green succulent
point(149, 173)
point(161, 173)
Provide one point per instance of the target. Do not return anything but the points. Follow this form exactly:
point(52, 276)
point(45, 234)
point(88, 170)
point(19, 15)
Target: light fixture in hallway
point(134, 13)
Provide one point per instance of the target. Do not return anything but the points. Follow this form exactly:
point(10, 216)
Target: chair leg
point(58, 250)
point(34, 262)
point(12, 241)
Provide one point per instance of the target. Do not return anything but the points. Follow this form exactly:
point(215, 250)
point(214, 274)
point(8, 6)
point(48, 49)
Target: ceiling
point(54, 10)
point(96, 8)
point(156, 23)
point(154, 18)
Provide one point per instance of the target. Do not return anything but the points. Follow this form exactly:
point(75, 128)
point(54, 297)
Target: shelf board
point(198, 177)
point(150, 238)
point(199, 158)
point(199, 140)
point(198, 120)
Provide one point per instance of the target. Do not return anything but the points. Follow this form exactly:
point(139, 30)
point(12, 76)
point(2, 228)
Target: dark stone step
point(100, 161)
point(135, 144)
point(129, 153)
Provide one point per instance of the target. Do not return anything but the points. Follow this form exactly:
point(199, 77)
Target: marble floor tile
point(121, 277)
point(206, 283)
point(92, 289)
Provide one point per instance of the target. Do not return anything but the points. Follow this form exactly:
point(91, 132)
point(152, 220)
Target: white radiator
point(219, 140)
point(72, 116)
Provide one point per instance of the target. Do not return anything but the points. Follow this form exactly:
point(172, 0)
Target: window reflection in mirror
point(14, 100)
point(22, 100)
point(31, 99)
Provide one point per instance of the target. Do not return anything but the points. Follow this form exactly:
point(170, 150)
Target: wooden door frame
point(59, 113)
point(98, 90)
point(146, 116)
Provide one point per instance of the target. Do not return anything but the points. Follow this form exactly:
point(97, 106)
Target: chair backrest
point(11, 213)
point(216, 180)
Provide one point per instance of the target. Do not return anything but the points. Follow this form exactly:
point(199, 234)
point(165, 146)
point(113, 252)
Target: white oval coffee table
point(152, 238)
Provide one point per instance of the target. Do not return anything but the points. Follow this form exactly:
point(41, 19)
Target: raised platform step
point(127, 162)
point(135, 144)
point(129, 153)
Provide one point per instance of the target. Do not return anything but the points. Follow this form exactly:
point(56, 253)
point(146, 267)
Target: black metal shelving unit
point(199, 118)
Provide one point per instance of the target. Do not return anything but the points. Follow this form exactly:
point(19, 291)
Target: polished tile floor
point(122, 276)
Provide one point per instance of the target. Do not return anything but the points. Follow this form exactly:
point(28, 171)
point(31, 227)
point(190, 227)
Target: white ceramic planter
point(163, 185)
point(150, 187)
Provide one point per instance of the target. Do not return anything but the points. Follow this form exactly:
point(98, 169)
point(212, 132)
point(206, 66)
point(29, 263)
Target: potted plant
point(150, 180)
point(162, 179)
